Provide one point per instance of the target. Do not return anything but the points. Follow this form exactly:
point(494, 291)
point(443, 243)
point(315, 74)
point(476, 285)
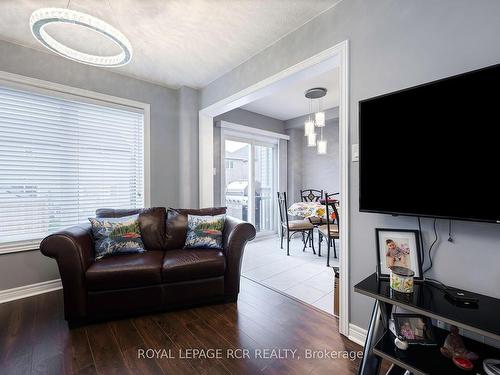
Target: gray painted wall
point(241, 117)
point(188, 147)
point(25, 268)
point(19, 269)
point(394, 44)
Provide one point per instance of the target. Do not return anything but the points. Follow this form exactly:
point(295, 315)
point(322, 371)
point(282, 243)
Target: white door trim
point(323, 61)
point(250, 130)
point(344, 189)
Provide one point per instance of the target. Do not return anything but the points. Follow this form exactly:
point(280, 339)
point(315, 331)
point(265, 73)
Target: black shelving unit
point(430, 301)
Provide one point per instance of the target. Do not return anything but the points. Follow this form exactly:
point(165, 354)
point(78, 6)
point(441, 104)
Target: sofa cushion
point(177, 223)
point(192, 264)
point(151, 222)
point(113, 236)
point(125, 271)
point(205, 232)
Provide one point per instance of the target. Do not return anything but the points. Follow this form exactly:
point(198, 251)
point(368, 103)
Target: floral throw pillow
point(116, 236)
point(205, 231)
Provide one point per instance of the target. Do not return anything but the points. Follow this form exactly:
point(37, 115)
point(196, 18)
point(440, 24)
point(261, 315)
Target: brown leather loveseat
point(166, 276)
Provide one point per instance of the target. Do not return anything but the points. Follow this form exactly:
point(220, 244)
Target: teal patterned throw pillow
point(116, 236)
point(205, 231)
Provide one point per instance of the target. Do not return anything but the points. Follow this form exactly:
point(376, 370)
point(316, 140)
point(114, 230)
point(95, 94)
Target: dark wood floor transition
point(34, 339)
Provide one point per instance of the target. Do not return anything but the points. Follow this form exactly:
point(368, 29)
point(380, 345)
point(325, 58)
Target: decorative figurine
point(401, 342)
point(454, 348)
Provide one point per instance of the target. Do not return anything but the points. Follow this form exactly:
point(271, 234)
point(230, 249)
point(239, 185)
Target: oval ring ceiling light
point(45, 16)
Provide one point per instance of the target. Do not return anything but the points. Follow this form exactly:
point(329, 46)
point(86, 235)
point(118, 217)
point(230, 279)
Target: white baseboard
point(357, 334)
point(29, 290)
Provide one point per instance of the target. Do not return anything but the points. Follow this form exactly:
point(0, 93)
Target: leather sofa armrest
point(236, 234)
point(73, 249)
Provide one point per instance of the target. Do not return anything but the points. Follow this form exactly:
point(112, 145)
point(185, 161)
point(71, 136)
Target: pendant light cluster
point(313, 127)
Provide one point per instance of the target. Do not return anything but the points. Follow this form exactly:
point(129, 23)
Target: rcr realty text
point(241, 353)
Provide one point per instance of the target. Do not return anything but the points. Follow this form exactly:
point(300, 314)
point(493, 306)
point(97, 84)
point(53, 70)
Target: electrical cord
point(436, 237)
point(436, 283)
point(421, 238)
point(430, 281)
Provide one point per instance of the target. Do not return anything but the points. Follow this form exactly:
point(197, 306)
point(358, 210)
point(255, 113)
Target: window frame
point(38, 86)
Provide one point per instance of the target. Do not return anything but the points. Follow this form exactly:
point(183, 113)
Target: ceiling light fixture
point(45, 16)
point(316, 119)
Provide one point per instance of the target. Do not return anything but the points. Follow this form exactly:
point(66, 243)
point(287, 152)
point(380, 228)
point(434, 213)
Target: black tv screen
point(433, 150)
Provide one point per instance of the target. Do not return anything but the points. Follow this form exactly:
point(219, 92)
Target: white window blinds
point(62, 159)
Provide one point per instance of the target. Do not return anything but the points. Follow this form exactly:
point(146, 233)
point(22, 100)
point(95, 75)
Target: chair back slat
point(283, 207)
point(329, 207)
point(311, 195)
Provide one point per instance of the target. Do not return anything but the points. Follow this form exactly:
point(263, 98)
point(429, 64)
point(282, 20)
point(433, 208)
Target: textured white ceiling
point(175, 42)
point(290, 101)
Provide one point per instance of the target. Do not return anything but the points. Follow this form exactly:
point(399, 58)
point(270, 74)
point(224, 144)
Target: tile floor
point(302, 275)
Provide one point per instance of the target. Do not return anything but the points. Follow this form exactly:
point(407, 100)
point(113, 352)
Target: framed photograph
point(398, 247)
point(416, 329)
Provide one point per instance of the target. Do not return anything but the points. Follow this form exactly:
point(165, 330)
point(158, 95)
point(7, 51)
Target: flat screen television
point(433, 150)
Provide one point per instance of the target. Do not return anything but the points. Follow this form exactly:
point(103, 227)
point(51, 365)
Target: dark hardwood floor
point(35, 339)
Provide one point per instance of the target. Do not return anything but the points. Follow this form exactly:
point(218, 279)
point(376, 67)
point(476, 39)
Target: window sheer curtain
point(62, 159)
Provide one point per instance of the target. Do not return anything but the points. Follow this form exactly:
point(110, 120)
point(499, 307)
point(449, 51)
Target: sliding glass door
point(249, 181)
point(237, 178)
point(264, 176)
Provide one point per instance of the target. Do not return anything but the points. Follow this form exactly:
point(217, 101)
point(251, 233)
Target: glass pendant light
point(319, 119)
point(311, 140)
point(322, 146)
point(308, 127)
point(309, 124)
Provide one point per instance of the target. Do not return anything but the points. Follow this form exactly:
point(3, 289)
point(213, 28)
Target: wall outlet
point(355, 152)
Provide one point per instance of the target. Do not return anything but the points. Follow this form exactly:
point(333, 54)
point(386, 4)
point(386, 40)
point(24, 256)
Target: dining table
point(308, 210)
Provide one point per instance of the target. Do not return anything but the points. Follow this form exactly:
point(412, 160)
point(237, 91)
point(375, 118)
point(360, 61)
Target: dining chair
point(331, 229)
point(312, 195)
point(291, 227)
point(330, 200)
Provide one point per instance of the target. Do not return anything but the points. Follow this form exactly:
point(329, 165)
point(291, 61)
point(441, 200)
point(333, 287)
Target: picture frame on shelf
point(398, 247)
point(415, 328)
